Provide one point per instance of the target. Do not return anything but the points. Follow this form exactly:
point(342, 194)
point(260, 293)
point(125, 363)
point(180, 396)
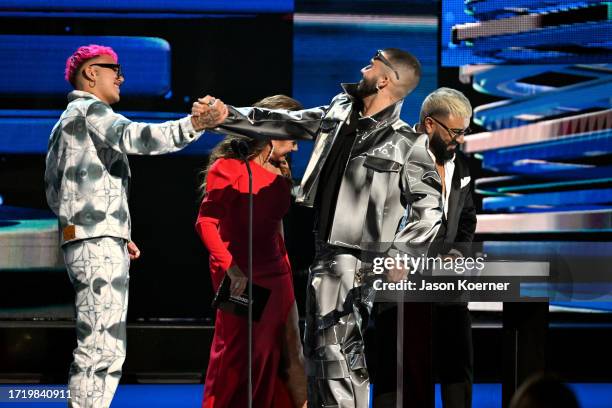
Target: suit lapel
point(453, 198)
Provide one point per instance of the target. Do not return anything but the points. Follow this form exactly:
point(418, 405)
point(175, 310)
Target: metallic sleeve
point(259, 123)
point(421, 186)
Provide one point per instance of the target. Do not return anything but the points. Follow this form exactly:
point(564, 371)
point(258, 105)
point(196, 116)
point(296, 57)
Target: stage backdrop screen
point(525, 32)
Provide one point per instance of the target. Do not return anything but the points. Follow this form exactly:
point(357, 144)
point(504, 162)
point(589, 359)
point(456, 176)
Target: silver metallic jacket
point(87, 170)
point(390, 191)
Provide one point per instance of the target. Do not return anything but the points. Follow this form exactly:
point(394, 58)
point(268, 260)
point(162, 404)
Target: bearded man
point(374, 188)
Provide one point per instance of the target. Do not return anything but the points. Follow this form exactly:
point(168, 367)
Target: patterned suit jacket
point(87, 171)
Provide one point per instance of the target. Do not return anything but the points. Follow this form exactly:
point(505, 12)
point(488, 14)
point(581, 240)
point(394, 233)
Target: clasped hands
point(208, 113)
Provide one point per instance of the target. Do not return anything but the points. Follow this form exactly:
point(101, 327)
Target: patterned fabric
point(98, 269)
point(87, 173)
point(338, 306)
point(86, 181)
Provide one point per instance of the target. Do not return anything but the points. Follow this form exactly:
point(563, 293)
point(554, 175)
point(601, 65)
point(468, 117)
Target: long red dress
point(222, 226)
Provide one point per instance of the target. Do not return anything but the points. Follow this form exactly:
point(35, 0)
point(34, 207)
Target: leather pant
point(338, 306)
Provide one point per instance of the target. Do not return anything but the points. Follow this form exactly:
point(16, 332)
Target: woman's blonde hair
point(224, 148)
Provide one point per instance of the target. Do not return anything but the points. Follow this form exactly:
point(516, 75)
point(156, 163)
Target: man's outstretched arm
point(121, 134)
point(260, 123)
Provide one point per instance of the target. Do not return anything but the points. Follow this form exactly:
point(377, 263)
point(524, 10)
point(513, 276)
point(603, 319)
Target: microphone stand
point(242, 149)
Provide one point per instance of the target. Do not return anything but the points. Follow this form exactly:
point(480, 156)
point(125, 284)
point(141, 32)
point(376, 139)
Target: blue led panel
point(521, 80)
point(145, 62)
point(526, 32)
point(519, 48)
point(536, 250)
point(514, 112)
point(597, 292)
point(157, 6)
point(587, 145)
point(492, 8)
point(559, 198)
point(539, 167)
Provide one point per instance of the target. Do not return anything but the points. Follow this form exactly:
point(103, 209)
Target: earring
point(377, 88)
point(269, 154)
point(92, 84)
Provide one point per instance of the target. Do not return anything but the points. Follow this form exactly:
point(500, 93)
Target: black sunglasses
point(379, 56)
point(114, 67)
point(455, 133)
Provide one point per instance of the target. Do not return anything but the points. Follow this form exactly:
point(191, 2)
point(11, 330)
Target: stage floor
point(190, 396)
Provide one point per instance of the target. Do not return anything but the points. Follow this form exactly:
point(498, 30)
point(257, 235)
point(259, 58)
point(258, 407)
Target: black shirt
point(331, 174)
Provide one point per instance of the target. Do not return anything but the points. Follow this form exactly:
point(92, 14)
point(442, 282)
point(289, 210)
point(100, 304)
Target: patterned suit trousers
point(99, 271)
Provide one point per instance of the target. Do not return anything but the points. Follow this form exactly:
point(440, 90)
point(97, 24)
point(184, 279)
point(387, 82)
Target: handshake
point(208, 113)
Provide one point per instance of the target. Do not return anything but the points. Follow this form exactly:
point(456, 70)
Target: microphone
point(240, 147)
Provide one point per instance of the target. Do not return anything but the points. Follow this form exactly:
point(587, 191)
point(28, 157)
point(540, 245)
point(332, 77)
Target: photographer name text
point(425, 286)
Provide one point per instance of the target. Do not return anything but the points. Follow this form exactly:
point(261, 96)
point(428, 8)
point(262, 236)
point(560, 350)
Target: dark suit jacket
point(450, 327)
point(458, 227)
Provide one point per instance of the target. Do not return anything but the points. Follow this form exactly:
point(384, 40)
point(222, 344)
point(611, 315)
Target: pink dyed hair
point(82, 54)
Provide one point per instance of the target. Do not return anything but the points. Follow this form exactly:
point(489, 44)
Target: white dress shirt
point(449, 170)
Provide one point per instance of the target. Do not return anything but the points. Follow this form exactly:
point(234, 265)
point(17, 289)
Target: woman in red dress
point(222, 226)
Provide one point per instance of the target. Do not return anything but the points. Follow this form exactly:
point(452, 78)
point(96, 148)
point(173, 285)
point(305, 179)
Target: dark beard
point(365, 88)
point(440, 149)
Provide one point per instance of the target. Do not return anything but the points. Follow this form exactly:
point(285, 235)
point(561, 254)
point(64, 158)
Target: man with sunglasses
point(86, 181)
point(444, 117)
point(366, 168)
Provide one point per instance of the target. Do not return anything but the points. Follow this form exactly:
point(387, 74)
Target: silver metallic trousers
point(337, 310)
point(98, 269)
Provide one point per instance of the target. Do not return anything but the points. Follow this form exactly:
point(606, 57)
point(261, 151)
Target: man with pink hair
point(86, 181)
point(83, 54)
